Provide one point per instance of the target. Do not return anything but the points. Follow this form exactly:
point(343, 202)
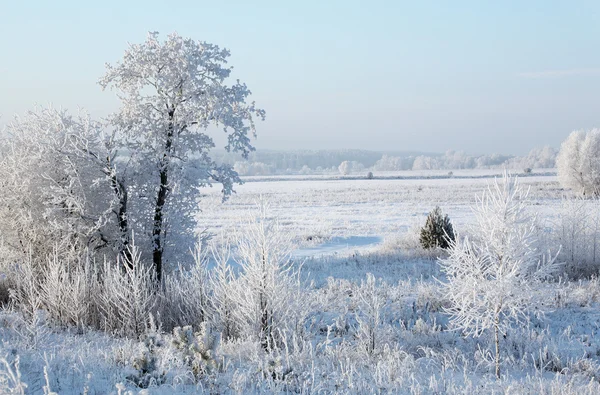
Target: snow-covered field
point(345, 229)
point(358, 208)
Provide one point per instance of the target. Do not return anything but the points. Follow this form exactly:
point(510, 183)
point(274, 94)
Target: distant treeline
point(266, 162)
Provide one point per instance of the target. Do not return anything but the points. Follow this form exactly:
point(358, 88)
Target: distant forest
point(267, 162)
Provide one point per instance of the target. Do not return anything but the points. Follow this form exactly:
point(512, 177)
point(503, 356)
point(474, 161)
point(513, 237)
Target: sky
point(477, 76)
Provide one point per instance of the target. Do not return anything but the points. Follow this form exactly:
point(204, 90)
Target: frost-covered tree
point(537, 158)
point(387, 163)
point(59, 187)
point(173, 92)
point(425, 163)
point(578, 162)
point(305, 170)
point(490, 278)
point(345, 168)
point(246, 168)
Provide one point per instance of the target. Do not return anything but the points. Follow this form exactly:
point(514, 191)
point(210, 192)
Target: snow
point(340, 246)
point(346, 229)
point(360, 207)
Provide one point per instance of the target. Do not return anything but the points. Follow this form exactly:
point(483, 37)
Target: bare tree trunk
point(120, 191)
point(161, 198)
point(157, 229)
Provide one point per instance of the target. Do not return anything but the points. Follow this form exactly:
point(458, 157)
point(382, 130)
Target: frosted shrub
point(10, 377)
point(224, 287)
point(128, 295)
point(185, 299)
point(4, 289)
point(372, 299)
point(25, 293)
point(437, 232)
point(66, 289)
point(430, 296)
point(8, 275)
point(408, 245)
point(28, 299)
point(268, 296)
point(490, 281)
point(146, 367)
point(55, 187)
point(198, 349)
point(577, 230)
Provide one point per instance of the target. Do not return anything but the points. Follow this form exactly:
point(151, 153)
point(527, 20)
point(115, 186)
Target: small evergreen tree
point(437, 232)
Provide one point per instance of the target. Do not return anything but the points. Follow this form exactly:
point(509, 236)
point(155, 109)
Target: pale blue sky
point(480, 76)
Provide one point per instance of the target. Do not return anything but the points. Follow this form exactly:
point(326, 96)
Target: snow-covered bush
point(198, 349)
point(128, 295)
point(185, 297)
point(27, 298)
point(224, 286)
point(67, 292)
point(437, 232)
point(578, 162)
point(4, 289)
point(55, 187)
point(490, 279)
point(577, 231)
point(10, 377)
point(147, 371)
point(268, 292)
point(372, 300)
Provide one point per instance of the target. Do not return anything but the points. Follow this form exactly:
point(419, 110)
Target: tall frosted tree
point(174, 95)
point(490, 278)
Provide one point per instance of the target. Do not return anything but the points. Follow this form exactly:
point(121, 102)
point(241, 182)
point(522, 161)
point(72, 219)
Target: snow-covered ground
point(346, 228)
point(400, 174)
point(339, 245)
point(381, 208)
